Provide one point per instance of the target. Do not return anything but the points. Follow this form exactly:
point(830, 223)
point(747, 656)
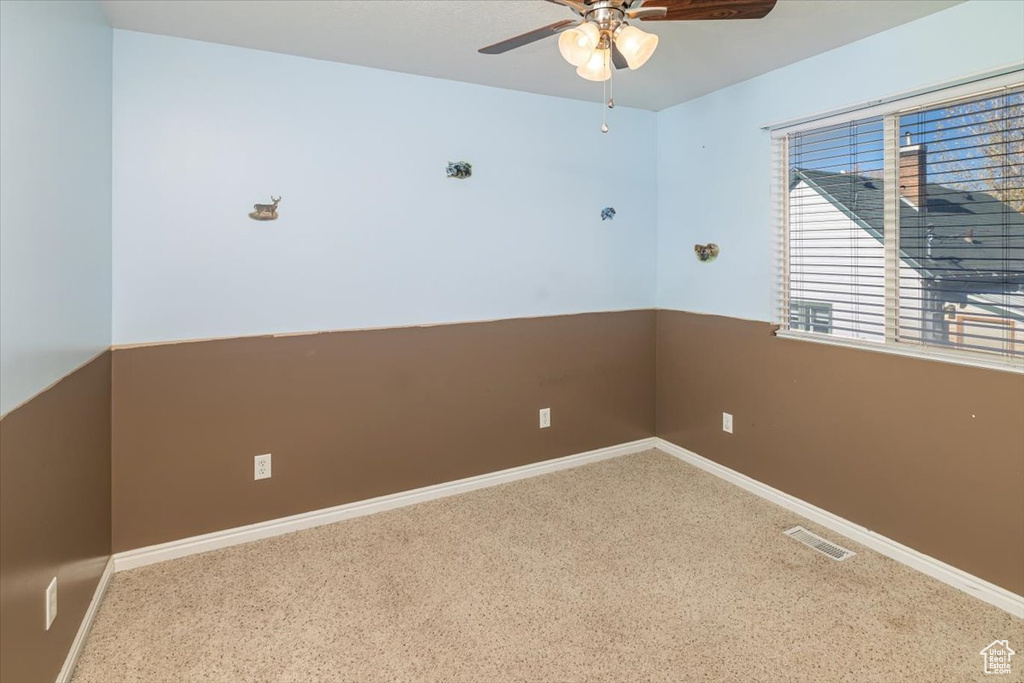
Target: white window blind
point(962, 229)
point(836, 257)
point(906, 230)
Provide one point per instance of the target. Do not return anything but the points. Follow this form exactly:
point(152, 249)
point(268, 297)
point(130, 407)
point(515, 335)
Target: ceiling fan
point(603, 36)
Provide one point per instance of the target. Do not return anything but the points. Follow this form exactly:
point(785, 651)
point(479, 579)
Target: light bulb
point(635, 45)
point(596, 68)
point(577, 44)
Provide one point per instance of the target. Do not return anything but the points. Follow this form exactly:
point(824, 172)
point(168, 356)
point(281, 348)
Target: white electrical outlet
point(262, 466)
point(51, 603)
point(545, 418)
point(727, 422)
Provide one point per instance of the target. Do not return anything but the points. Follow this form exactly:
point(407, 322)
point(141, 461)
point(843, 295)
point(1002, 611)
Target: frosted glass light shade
point(596, 68)
point(635, 45)
point(577, 44)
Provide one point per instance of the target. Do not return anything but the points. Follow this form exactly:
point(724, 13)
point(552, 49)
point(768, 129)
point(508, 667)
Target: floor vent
point(815, 541)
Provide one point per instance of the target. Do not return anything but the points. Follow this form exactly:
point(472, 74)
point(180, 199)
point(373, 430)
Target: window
point(904, 229)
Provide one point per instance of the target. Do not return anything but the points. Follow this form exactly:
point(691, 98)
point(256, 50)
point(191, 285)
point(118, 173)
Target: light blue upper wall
point(715, 163)
point(371, 232)
point(55, 147)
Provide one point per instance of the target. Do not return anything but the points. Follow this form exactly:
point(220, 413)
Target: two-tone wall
point(929, 454)
point(55, 303)
point(371, 234)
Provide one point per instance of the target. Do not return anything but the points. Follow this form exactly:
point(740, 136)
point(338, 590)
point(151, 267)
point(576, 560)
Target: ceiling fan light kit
point(602, 37)
point(577, 45)
point(588, 46)
point(597, 67)
point(635, 45)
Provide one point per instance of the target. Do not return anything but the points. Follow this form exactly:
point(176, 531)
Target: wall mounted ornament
point(459, 169)
point(266, 212)
point(608, 213)
point(706, 252)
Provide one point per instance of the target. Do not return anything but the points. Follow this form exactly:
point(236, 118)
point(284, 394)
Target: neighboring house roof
point(974, 237)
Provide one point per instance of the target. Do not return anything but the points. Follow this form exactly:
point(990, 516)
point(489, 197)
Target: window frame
point(890, 109)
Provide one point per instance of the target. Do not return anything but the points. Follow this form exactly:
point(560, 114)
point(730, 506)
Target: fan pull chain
point(604, 111)
point(611, 87)
point(604, 96)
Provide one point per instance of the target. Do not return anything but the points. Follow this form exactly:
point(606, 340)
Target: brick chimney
point(912, 173)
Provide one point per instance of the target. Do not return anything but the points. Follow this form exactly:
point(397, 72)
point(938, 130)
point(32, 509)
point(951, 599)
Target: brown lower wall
point(54, 518)
point(353, 415)
point(929, 454)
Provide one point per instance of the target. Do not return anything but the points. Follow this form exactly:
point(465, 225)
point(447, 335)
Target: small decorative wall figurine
point(459, 169)
point(706, 252)
point(608, 213)
point(265, 212)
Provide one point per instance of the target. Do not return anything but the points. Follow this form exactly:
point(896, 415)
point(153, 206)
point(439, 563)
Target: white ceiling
point(441, 37)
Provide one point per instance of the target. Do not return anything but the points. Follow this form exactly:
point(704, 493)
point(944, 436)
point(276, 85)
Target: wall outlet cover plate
point(51, 603)
point(261, 466)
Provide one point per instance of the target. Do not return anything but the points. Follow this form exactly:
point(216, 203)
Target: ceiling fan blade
point(529, 37)
point(647, 13)
point(618, 59)
point(700, 10)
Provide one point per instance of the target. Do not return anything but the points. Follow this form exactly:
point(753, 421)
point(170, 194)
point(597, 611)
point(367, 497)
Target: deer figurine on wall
point(265, 212)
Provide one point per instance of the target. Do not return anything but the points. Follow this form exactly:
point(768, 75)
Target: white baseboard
point(957, 578)
point(130, 559)
point(83, 629)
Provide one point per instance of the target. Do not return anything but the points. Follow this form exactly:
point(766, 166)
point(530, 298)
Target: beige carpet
point(636, 569)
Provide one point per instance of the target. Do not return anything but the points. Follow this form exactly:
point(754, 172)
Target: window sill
point(957, 358)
